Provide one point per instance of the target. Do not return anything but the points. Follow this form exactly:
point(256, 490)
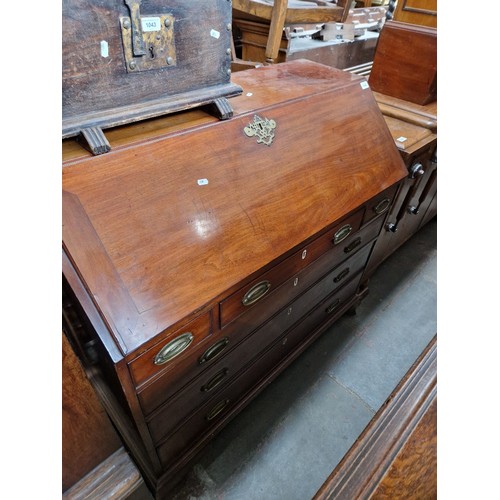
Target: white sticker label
point(151, 23)
point(401, 139)
point(202, 182)
point(214, 34)
point(364, 85)
point(104, 48)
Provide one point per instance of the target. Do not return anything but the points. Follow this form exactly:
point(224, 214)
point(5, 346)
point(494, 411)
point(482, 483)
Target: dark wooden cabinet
point(203, 256)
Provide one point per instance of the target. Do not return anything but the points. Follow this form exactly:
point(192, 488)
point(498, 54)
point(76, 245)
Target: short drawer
point(172, 350)
point(154, 393)
point(380, 204)
point(261, 289)
point(221, 373)
point(209, 414)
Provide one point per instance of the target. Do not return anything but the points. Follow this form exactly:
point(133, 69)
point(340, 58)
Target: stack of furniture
point(404, 81)
point(276, 14)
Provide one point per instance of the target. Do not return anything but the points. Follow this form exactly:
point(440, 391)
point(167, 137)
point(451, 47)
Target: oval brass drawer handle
point(354, 244)
point(214, 350)
point(256, 293)
point(341, 275)
point(382, 206)
point(217, 409)
point(173, 348)
point(332, 307)
point(342, 234)
point(215, 381)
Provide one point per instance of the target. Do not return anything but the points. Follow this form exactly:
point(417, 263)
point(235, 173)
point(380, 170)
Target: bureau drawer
point(155, 393)
point(172, 350)
point(328, 310)
point(219, 405)
point(221, 373)
point(261, 289)
point(380, 204)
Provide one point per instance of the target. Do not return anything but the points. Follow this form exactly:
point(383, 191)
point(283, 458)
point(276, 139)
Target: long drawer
point(152, 395)
point(218, 406)
point(262, 287)
point(221, 373)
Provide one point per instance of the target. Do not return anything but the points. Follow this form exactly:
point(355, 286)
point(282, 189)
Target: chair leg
point(276, 30)
point(346, 4)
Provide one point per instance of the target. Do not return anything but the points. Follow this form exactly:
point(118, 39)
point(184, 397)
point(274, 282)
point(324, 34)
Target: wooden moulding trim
point(407, 8)
point(116, 477)
point(72, 125)
point(364, 465)
point(407, 116)
point(406, 106)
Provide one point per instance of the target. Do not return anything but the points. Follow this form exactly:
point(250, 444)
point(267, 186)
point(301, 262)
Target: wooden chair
point(284, 12)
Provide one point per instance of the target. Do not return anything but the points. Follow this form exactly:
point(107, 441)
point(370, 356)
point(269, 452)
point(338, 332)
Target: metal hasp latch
point(148, 41)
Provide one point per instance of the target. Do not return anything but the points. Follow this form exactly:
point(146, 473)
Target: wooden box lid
point(124, 60)
point(162, 228)
point(405, 63)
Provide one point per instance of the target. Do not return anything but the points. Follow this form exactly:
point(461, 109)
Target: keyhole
point(151, 52)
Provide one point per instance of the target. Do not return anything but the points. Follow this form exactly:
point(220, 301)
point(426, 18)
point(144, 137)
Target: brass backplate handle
point(349, 248)
point(382, 206)
point(173, 348)
point(332, 307)
point(341, 275)
point(342, 234)
point(217, 409)
point(256, 293)
point(214, 350)
point(215, 381)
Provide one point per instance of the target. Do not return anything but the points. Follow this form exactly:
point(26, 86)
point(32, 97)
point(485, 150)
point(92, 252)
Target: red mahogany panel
point(167, 227)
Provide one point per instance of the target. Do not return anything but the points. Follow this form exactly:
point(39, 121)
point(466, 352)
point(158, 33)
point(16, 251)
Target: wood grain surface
point(405, 63)
point(421, 12)
point(138, 217)
point(98, 89)
point(414, 470)
point(88, 436)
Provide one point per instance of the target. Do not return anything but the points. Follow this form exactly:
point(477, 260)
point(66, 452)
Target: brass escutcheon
point(261, 128)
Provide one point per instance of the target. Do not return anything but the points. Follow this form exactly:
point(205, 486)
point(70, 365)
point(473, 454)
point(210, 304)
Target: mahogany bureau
point(200, 256)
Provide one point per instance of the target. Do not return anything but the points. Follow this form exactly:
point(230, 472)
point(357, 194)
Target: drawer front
point(203, 420)
point(324, 312)
point(262, 289)
point(169, 353)
point(327, 310)
point(221, 373)
point(213, 410)
point(164, 387)
point(380, 204)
